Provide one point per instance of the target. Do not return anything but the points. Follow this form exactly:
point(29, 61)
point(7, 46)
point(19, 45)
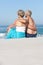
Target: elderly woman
point(31, 28)
point(19, 23)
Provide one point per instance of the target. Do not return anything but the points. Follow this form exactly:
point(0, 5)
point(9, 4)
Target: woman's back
point(20, 22)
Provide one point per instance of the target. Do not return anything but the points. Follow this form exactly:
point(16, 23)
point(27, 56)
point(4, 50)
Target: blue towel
point(20, 34)
point(11, 33)
point(14, 34)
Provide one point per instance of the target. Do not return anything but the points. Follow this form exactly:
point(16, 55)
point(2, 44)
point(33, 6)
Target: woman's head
point(21, 13)
point(28, 13)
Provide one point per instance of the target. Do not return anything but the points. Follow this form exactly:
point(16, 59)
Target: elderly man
point(31, 28)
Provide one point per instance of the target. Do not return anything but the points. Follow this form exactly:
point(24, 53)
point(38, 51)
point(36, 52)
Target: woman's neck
point(19, 17)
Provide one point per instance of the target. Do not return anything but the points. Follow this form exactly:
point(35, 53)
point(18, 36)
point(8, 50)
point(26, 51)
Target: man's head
point(28, 13)
point(21, 13)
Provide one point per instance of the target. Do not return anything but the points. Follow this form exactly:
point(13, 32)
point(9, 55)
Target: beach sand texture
point(21, 51)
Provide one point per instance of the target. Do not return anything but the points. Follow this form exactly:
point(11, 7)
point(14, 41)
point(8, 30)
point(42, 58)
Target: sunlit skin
point(31, 27)
point(18, 22)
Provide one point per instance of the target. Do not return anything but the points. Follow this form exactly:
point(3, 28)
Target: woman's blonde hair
point(28, 12)
point(21, 13)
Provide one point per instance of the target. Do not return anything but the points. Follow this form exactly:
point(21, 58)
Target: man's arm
point(33, 26)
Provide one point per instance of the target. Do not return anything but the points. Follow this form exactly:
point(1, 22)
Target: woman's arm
point(12, 25)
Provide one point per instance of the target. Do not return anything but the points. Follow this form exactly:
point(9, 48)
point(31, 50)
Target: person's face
point(27, 14)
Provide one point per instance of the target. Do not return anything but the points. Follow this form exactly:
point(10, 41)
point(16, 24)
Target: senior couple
point(23, 26)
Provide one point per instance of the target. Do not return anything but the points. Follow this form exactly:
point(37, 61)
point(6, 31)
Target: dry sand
point(21, 51)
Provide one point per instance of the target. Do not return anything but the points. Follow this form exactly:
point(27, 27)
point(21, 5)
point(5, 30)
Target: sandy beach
point(21, 51)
